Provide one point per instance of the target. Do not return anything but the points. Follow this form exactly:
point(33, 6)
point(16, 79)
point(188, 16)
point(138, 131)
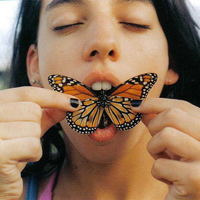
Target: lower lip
point(104, 135)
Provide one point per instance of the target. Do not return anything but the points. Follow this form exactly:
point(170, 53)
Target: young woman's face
point(102, 40)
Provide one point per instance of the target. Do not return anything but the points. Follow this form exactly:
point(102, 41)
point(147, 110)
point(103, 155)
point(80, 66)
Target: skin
point(119, 168)
point(132, 47)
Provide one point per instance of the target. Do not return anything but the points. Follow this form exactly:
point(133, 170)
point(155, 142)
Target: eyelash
point(60, 28)
point(136, 25)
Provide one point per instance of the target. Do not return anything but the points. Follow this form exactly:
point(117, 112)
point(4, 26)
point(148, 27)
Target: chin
point(102, 151)
point(113, 150)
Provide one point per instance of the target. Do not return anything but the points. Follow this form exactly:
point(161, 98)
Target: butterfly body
point(103, 100)
point(99, 109)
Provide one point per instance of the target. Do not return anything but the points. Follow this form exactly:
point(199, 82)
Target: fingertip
point(147, 105)
point(136, 103)
point(74, 103)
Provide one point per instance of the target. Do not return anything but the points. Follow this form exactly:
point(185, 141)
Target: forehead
point(53, 3)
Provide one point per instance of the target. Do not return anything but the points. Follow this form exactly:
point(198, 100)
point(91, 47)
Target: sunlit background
point(8, 11)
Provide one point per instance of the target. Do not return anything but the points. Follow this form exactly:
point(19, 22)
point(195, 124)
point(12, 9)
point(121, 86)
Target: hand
point(175, 145)
point(25, 115)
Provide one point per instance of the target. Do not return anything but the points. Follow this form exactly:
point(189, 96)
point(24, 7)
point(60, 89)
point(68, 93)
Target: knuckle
point(35, 129)
point(168, 134)
point(33, 106)
point(24, 93)
point(149, 147)
point(14, 189)
point(35, 149)
point(172, 116)
point(36, 145)
point(157, 166)
point(54, 99)
point(194, 177)
point(34, 109)
point(184, 104)
point(172, 113)
point(151, 126)
point(3, 155)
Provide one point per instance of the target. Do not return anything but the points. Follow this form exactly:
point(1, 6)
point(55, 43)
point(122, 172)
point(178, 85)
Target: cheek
point(57, 54)
point(57, 58)
point(158, 58)
point(148, 54)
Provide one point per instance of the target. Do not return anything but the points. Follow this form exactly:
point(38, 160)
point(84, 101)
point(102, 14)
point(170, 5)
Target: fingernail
point(136, 103)
point(74, 103)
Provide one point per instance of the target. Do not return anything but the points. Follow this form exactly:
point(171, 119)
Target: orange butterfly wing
point(119, 109)
point(120, 113)
point(87, 118)
point(70, 86)
point(137, 87)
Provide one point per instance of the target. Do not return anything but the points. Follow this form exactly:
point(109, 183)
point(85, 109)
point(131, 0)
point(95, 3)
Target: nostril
point(93, 53)
point(111, 53)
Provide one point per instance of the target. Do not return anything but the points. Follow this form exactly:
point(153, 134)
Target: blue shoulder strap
point(31, 188)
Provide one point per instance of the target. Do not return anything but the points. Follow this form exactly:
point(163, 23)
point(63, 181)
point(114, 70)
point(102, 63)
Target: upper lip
point(101, 77)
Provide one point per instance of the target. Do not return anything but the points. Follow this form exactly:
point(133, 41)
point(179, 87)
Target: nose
point(101, 43)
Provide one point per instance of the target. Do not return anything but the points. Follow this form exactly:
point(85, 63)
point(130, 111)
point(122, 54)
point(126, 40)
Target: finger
point(21, 166)
point(180, 144)
point(20, 111)
point(50, 117)
point(158, 105)
point(182, 176)
point(147, 118)
point(177, 119)
point(44, 97)
point(170, 171)
point(29, 119)
point(26, 149)
point(24, 129)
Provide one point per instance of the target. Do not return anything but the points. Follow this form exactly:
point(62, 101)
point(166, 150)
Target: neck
point(127, 178)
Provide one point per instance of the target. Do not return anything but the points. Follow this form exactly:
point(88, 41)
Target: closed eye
point(134, 25)
point(68, 26)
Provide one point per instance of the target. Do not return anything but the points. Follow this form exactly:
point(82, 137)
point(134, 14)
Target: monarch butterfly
point(100, 108)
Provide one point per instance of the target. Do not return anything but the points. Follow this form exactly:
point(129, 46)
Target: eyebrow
point(147, 1)
point(55, 3)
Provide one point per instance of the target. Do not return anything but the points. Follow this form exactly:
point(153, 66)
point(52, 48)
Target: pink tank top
point(47, 193)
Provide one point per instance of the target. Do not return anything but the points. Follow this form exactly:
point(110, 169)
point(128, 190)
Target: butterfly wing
point(136, 88)
point(70, 86)
point(121, 114)
point(119, 109)
point(86, 119)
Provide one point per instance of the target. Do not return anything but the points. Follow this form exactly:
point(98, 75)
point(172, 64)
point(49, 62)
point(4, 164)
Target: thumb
point(50, 117)
point(147, 118)
point(139, 106)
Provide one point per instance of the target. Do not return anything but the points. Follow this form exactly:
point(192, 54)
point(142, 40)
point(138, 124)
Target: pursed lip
point(100, 77)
